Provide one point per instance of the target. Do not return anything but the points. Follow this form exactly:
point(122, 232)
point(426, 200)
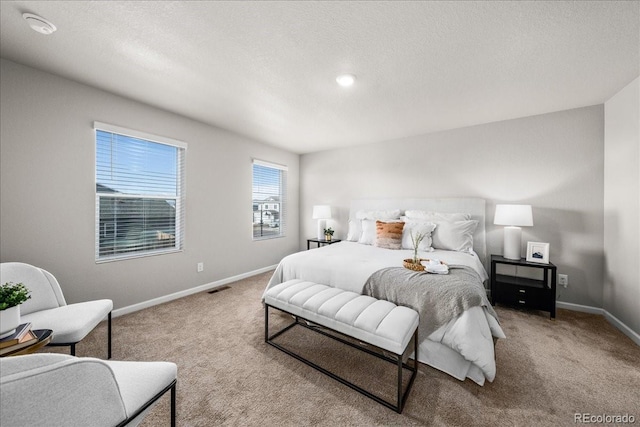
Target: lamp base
point(322, 224)
point(512, 240)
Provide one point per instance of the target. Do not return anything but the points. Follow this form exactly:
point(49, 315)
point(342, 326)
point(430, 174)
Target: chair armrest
point(54, 391)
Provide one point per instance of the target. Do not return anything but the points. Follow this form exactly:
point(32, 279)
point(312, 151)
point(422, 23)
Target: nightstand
point(321, 242)
point(538, 294)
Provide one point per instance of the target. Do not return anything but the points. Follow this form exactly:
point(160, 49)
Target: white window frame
point(282, 226)
point(179, 198)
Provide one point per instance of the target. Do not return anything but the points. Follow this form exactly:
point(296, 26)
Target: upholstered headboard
point(473, 206)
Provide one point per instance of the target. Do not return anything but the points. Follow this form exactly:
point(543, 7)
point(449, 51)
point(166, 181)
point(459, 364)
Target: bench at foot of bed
point(378, 323)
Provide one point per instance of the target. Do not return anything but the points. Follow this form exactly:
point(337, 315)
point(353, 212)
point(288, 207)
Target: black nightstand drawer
point(526, 292)
point(531, 298)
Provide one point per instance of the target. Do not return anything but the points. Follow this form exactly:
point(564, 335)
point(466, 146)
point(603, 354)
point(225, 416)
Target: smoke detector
point(39, 24)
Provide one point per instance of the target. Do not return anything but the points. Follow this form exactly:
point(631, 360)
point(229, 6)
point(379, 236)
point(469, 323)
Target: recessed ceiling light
point(346, 80)
point(39, 24)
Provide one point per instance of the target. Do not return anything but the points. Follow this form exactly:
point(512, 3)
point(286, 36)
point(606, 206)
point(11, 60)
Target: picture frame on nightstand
point(538, 252)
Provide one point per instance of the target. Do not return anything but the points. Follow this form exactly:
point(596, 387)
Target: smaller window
point(269, 200)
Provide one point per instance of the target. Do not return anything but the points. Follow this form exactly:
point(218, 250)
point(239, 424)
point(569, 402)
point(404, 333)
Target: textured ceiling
point(267, 69)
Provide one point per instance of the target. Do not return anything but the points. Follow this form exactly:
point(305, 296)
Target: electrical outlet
point(200, 267)
point(563, 280)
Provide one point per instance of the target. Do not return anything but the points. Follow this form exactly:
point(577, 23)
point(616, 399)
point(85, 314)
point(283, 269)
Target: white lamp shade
point(322, 212)
point(514, 215)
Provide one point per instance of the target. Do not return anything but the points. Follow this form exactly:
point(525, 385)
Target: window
point(269, 200)
point(139, 193)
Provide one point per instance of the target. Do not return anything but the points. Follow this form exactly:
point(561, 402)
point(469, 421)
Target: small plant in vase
point(328, 233)
point(11, 296)
point(414, 263)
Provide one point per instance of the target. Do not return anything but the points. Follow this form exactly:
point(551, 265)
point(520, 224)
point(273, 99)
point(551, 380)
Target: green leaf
point(12, 294)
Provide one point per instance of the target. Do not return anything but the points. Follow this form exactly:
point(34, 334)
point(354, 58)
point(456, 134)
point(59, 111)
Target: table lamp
point(322, 213)
point(514, 217)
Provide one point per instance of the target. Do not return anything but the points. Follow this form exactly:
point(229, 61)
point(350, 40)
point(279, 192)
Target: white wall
point(47, 197)
point(622, 205)
point(553, 162)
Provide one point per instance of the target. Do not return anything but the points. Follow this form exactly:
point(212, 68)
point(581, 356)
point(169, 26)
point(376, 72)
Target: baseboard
point(206, 287)
point(578, 307)
point(635, 337)
point(624, 328)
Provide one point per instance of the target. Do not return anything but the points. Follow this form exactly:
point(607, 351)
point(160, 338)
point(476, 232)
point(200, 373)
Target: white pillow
point(413, 227)
point(381, 215)
point(355, 230)
point(454, 235)
point(437, 216)
point(368, 235)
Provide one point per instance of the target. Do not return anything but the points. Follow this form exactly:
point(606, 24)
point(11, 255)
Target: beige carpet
point(227, 375)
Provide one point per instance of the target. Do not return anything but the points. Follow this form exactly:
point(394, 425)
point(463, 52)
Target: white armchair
point(51, 390)
point(48, 309)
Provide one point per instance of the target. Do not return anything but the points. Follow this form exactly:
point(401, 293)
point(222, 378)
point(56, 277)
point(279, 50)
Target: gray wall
point(622, 206)
point(47, 193)
point(553, 162)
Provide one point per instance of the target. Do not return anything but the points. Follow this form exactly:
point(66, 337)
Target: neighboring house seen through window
point(139, 193)
point(269, 201)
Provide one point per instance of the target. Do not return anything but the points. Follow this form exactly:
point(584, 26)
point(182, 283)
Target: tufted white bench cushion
point(376, 322)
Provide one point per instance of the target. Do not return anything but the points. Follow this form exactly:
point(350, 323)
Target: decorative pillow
point(454, 235)
point(437, 216)
point(389, 234)
point(413, 227)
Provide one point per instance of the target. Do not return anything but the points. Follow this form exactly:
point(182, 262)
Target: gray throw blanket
point(437, 298)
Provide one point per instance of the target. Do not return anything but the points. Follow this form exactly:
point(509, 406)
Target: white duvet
point(463, 348)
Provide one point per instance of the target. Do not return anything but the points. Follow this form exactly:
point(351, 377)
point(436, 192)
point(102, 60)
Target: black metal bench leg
point(173, 405)
point(399, 407)
point(73, 349)
point(266, 323)
point(109, 337)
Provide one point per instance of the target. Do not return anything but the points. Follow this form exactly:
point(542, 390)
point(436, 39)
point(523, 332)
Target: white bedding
point(463, 348)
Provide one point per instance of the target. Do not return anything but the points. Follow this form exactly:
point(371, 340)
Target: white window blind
point(139, 193)
point(269, 200)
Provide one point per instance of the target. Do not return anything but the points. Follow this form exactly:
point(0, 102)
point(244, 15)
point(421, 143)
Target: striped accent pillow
point(389, 234)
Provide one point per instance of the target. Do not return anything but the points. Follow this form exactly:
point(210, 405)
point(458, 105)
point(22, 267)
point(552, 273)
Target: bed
point(463, 346)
